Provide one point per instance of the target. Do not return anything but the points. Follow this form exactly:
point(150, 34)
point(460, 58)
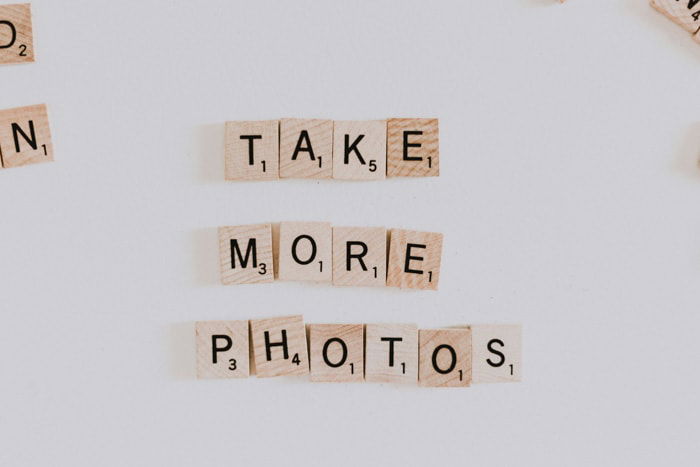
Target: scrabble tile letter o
point(306, 251)
point(445, 357)
point(16, 37)
point(336, 352)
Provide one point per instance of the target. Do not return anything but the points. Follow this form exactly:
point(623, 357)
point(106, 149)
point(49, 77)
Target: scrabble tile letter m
point(25, 137)
point(16, 38)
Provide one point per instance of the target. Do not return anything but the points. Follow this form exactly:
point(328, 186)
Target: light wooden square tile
point(252, 150)
point(413, 147)
point(245, 254)
point(359, 256)
point(306, 251)
point(336, 352)
point(359, 150)
point(392, 353)
point(25, 137)
point(414, 259)
point(306, 148)
point(16, 36)
point(682, 12)
point(496, 353)
point(445, 357)
point(279, 346)
point(223, 350)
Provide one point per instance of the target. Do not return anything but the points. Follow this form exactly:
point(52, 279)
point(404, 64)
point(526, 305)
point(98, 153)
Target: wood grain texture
point(496, 353)
point(422, 151)
point(682, 12)
point(306, 251)
point(366, 248)
point(445, 357)
point(383, 367)
point(359, 150)
point(414, 259)
point(336, 352)
point(277, 360)
point(245, 254)
point(232, 356)
point(16, 36)
point(315, 139)
point(263, 138)
point(25, 137)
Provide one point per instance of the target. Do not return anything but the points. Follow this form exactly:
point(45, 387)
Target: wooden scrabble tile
point(223, 350)
point(414, 259)
point(245, 253)
point(359, 256)
point(252, 150)
point(336, 352)
point(685, 13)
point(306, 251)
point(496, 353)
point(306, 148)
point(413, 147)
point(25, 137)
point(16, 37)
point(392, 353)
point(359, 150)
point(445, 357)
point(279, 346)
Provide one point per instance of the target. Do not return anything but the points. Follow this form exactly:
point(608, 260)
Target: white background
point(568, 196)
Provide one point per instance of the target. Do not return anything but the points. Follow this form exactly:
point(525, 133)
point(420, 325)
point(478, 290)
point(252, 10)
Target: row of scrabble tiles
point(685, 13)
point(347, 150)
point(16, 35)
point(25, 137)
point(320, 252)
point(396, 353)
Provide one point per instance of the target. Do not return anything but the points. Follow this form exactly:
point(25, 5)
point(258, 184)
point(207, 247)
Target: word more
point(25, 137)
point(350, 150)
point(319, 252)
point(685, 13)
point(16, 37)
point(393, 353)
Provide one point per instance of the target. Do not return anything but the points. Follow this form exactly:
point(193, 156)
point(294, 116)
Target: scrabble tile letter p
point(306, 148)
point(279, 346)
point(497, 351)
point(245, 253)
point(414, 259)
point(16, 38)
point(25, 137)
point(413, 148)
point(445, 357)
point(252, 150)
point(222, 349)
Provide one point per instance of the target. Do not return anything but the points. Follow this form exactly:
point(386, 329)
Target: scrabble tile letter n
point(16, 38)
point(392, 353)
point(279, 346)
point(497, 351)
point(306, 148)
point(445, 357)
point(25, 137)
point(336, 352)
point(222, 349)
point(306, 251)
point(413, 148)
point(245, 253)
point(252, 150)
point(414, 259)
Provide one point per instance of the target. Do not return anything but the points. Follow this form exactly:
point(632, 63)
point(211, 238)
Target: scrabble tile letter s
point(413, 148)
point(496, 353)
point(414, 259)
point(445, 357)
point(25, 137)
point(306, 148)
point(252, 150)
point(336, 352)
point(16, 37)
point(279, 346)
point(223, 350)
point(245, 254)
